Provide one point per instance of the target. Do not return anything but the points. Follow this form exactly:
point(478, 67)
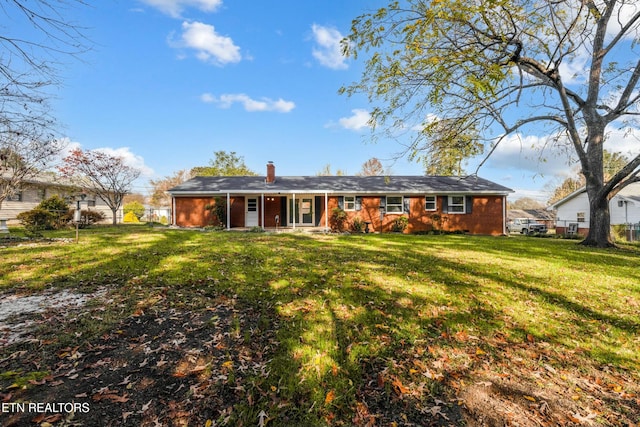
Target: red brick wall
point(486, 217)
point(191, 212)
point(271, 209)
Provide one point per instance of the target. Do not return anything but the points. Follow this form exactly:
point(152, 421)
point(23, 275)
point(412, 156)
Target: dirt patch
point(162, 368)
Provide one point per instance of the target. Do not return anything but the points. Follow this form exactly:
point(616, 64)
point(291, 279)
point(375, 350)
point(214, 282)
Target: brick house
point(466, 204)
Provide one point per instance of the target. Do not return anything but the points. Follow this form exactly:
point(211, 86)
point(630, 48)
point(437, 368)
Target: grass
point(380, 328)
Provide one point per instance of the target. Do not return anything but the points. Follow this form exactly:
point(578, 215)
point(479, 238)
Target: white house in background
point(35, 190)
point(574, 209)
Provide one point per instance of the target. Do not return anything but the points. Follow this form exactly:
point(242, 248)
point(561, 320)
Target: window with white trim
point(581, 217)
point(430, 203)
point(349, 203)
point(456, 204)
point(395, 204)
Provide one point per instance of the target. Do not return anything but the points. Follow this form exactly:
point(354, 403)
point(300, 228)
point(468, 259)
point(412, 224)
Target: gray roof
point(539, 214)
point(205, 185)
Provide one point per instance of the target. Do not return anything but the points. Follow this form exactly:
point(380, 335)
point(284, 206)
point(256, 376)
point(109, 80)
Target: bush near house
point(130, 217)
point(51, 214)
point(337, 220)
point(88, 218)
point(136, 208)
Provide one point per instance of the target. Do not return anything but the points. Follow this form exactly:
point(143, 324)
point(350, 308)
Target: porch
point(277, 212)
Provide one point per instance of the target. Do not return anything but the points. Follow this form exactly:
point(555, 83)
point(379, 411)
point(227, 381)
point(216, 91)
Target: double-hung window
point(456, 204)
point(581, 217)
point(430, 203)
point(349, 203)
point(394, 204)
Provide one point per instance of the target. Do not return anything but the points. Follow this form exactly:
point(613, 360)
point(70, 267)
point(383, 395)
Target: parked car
point(525, 226)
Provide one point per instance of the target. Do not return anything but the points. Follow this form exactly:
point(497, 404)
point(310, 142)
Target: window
point(15, 197)
point(42, 193)
point(581, 217)
point(456, 204)
point(349, 203)
point(394, 204)
point(430, 203)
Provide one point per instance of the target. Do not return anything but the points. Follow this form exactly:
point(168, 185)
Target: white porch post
point(173, 211)
point(228, 211)
point(262, 208)
point(326, 212)
point(293, 214)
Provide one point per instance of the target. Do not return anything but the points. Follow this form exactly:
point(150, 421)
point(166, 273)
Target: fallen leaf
point(530, 398)
point(146, 406)
point(329, 398)
point(400, 388)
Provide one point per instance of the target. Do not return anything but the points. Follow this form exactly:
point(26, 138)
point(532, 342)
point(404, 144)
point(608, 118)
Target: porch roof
point(212, 185)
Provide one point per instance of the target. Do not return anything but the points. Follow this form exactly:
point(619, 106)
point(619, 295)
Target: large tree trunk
point(599, 219)
point(115, 216)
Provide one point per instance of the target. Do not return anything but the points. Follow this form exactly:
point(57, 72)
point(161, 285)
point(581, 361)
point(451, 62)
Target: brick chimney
point(271, 173)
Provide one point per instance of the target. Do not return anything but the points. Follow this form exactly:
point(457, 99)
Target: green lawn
point(376, 329)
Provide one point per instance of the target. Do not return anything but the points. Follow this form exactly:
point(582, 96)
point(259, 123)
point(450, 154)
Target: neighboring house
point(542, 216)
point(467, 204)
point(37, 189)
point(624, 208)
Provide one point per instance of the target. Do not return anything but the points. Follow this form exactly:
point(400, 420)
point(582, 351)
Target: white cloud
point(538, 156)
point(532, 154)
point(210, 46)
point(327, 49)
point(357, 121)
point(249, 104)
point(174, 8)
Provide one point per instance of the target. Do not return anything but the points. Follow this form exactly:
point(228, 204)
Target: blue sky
point(169, 82)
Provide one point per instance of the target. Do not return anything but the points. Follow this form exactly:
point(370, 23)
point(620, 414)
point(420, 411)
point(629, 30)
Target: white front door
point(251, 212)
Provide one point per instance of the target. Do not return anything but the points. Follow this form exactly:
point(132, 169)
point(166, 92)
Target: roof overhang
point(332, 192)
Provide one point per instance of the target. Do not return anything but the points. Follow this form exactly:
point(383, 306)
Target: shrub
point(218, 212)
point(59, 208)
point(357, 225)
point(130, 217)
point(88, 218)
point(134, 207)
point(337, 219)
point(400, 224)
point(36, 220)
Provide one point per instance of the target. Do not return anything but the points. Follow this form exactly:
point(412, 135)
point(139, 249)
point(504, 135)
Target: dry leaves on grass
point(160, 367)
